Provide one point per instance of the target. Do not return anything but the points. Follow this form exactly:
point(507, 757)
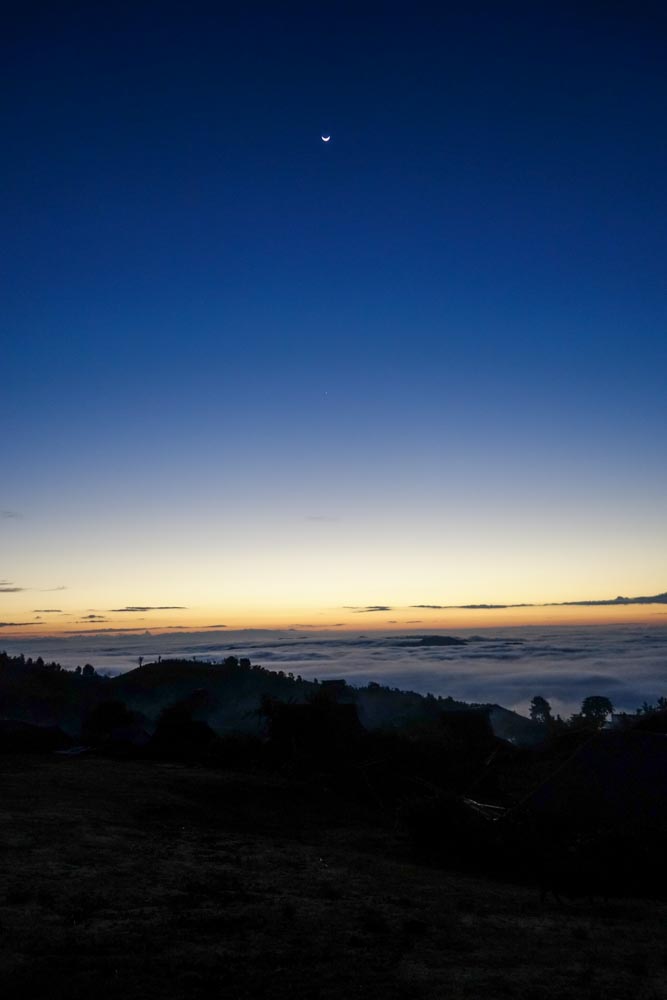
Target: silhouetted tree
point(321, 732)
point(647, 708)
point(106, 717)
point(178, 734)
point(595, 709)
point(540, 709)
point(88, 670)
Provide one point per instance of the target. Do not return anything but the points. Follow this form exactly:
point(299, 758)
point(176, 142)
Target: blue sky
point(429, 354)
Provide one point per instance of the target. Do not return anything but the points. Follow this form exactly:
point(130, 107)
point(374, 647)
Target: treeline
point(596, 711)
point(229, 693)
point(44, 693)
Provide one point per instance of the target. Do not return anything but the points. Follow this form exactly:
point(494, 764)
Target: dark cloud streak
point(609, 602)
point(357, 610)
point(159, 607)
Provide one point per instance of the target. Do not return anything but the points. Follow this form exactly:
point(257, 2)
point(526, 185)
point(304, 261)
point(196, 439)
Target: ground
point(127, 879)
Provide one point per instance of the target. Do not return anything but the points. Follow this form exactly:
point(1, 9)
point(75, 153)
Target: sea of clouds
point(627, 663)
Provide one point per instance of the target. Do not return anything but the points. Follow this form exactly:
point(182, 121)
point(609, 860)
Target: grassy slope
point(146, 880)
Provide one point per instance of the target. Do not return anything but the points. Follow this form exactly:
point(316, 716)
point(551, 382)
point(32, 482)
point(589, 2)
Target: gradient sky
point(266, 379)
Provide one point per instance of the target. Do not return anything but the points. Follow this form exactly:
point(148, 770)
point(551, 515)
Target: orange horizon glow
point(346, 621)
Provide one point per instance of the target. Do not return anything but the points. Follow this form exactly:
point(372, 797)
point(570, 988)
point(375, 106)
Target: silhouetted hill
point(229, 692)
point(235, 689)
point(434, 640)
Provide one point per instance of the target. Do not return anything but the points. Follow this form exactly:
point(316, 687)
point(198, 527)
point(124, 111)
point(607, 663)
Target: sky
point(251, 379)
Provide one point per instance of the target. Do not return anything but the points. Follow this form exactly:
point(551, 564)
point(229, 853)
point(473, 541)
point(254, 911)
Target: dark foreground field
point(125, 879)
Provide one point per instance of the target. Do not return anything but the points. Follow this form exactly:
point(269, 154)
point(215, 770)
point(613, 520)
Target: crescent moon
point(325, 138)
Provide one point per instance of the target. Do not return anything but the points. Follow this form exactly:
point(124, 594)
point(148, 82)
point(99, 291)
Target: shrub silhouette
point(319, 733)
point(177, 734)
point(106, 718)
